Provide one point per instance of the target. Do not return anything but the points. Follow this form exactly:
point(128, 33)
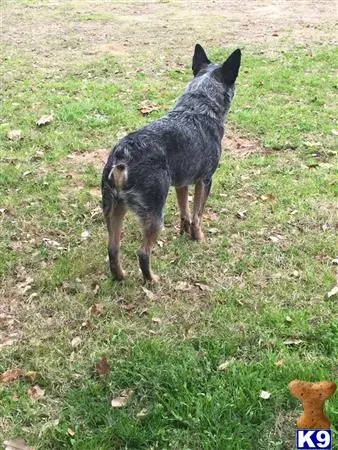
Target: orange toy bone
point(313, 396)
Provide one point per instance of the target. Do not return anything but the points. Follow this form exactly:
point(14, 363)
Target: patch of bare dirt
point(57, 33)
point(96, 158)
point(240, 146)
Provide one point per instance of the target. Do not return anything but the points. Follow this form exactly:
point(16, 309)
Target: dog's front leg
point(182, 200)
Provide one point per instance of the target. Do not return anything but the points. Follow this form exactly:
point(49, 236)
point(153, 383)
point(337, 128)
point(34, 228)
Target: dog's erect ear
point(230, 67)
point(199, 59)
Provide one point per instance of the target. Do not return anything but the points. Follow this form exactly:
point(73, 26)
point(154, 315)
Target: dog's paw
point(197, 234)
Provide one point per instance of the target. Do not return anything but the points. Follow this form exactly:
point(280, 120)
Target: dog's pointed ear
point(230, 67)
point(199, 59)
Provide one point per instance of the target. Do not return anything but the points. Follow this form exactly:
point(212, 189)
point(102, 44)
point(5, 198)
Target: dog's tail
point(118, 175)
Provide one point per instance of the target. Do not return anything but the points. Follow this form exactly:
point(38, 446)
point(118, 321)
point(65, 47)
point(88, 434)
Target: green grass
point(261, 293)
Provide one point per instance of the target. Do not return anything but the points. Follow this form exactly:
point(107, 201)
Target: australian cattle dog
point(182, 148)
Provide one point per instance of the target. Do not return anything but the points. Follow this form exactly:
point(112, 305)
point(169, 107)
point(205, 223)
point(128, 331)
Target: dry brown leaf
point(102, 367)
point(11, 375)
point(183, 286)
point(149, 293)
point(96, 309)
point(85, 235)
point(157, 320)
point(31, 376)
point(279, 363)
point(122, 399)
point(14, 135)
point(25, 285)
point(265, 395)
point(35, 392)
point(213, 230)
point(146, 107)
point(210, 216)
point(333, 292)
point(96, 289)
point(224, 365)
point(274, 239)
point(203, 287)
point(268, 197)
point(16, 444)
point(71, 432)
point(44, 120)
point(142, 413)
point(241, 215)
point(293, 342)
point(76, 342)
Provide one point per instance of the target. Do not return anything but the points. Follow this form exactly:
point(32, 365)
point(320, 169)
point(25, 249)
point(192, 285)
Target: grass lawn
point(254, 294)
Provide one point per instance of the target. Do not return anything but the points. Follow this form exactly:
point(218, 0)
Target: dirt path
point(56, 33)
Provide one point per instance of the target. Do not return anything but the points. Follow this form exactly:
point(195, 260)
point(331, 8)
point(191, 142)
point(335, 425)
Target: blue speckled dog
point(181, 149)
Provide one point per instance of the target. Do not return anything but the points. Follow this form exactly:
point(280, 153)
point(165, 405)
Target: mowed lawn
point(253, 295)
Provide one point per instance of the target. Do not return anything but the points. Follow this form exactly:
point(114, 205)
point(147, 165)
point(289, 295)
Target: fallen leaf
point(122, 399)
point(146, 107)
point(44, 120)
point(76, 342)
point(148, 293)
point(35, 392)
point(71, 432)
point(11, 375)
point(14, 135)
point(25, 285)
point(183, 286)
point(210, 216)
point(333, 292)
point(334, 261)
point(157, 320)
point(85, 235)
point(288, 319)
point(335, 132)
point(102, 367)
point(96, 309)
point(224, 365)
point(265, 395)
point(279, 363)
point(160, 243)
point(268, 197)
point(274, 239)
point(293, 342)
point(142, 413)
point(203, 287)
point(213, 230)
point(31, 376)
point(16, 444)
point(241, 215)
point(96, 289)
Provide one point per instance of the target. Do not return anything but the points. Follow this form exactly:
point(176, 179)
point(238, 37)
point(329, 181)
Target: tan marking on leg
point(114, 219)
point(199, 202)
point(182, 200)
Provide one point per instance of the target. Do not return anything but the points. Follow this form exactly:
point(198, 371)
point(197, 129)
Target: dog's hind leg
point(114, 215)
point(182, 200)
point(151, 228)
point(202, 190)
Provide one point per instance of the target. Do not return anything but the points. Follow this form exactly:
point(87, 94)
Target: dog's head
point(216, 78)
